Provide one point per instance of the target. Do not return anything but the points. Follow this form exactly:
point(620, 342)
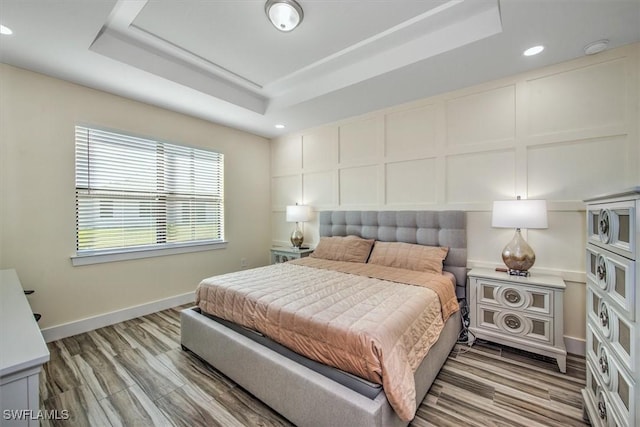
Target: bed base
point(303, 396)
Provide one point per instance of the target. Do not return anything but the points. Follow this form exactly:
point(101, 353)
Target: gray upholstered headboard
point(430, 228)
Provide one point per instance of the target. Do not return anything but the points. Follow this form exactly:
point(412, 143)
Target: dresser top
point(534, 279)
point(633, 193)
point(21, 344)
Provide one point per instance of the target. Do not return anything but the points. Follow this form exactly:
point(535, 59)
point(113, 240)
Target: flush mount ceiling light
point(280, 126)
point(596, 47)
point(533, 50)
point(285, 15)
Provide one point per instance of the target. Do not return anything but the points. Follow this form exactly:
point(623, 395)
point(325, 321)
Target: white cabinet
point(22, 354)
point(521, 312)
point(611, 397)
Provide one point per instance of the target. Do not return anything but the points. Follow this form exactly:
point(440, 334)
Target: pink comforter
point(377, 329)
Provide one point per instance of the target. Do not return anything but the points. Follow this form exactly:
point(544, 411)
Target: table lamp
point(518, 256)
point(298, 213)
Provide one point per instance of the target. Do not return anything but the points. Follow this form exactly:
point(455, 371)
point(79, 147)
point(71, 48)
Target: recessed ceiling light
point(533, 50)
point(5, 30)
point(596, 47)
point(280, 126)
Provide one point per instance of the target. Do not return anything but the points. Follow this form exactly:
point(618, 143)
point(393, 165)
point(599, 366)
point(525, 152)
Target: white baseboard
point(577, 346)
point(54, 333)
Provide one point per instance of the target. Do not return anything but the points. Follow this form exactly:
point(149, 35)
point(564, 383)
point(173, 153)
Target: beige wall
point(561, 133)
point(37, 207)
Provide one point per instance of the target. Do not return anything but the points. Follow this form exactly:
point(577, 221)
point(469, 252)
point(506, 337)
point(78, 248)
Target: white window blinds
point(135, 193)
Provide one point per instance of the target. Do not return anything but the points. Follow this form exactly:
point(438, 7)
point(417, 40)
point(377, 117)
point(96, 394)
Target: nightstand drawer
point(513, 323)
point(613, 275)
point(516, 297)
point(283, 254)
point(279, 257)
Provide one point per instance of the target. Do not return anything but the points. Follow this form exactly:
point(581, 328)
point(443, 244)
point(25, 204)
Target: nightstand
point(521, 312)
point(284, 254)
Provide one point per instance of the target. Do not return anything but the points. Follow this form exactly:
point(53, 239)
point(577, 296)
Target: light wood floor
point(135, 374)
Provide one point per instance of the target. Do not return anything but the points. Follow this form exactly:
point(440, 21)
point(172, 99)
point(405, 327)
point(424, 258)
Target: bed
point(309, 393)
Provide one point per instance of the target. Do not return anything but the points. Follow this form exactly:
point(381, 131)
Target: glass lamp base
point(296, 237)
point(518, 255)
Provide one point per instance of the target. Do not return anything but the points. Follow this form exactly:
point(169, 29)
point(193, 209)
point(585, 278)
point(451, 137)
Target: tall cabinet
point(612, 394)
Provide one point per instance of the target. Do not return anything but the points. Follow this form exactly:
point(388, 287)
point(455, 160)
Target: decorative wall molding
point(538, 134)
point(521, 135)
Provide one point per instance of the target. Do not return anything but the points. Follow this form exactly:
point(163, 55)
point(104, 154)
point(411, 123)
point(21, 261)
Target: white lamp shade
point(519, 214)
point(298, 213)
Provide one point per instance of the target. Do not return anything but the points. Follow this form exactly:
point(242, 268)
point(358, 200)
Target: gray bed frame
point(303, 396)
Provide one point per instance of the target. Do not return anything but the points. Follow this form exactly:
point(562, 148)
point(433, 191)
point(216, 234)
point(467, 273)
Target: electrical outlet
point(243, 262)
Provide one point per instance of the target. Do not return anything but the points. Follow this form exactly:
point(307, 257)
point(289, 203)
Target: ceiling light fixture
point(279, 126)
point(285, 15)
point(6, 31)
point(533, 50)
point(596, 47)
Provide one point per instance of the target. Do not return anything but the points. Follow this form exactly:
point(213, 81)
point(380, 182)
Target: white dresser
point(612, 395)
point(22, 354)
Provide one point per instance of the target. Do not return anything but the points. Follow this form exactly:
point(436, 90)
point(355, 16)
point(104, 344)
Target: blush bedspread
point(377, 328)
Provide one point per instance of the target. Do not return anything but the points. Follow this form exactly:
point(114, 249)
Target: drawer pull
point(512, 296)
point(604, 226)
point(604, 365)
point(604, 316)
point(602, 408)
point(512, 322)
point(602, 268)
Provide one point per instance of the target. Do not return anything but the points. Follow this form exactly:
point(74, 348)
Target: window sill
point(124, 255)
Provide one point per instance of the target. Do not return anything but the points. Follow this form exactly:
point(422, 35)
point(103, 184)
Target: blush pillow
point(349, 248)
point(409, 256)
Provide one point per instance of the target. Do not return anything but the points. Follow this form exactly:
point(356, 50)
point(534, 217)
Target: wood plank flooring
point(135, 374)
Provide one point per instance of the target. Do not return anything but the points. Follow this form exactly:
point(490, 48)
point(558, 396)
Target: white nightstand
point(284, 254)
point(521, 312)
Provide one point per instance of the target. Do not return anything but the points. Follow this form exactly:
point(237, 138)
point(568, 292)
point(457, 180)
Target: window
point(135, 194)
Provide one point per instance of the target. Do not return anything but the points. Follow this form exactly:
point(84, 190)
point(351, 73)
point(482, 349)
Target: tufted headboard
point(430, 228)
